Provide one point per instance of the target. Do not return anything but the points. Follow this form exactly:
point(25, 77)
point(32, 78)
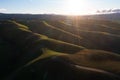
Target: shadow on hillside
point(73, 63)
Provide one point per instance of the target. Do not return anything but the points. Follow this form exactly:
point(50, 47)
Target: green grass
point(20, 25)
point(62, 30)
point(98, 59)
point(32, 43)
point(46, 54)
point(38, 47)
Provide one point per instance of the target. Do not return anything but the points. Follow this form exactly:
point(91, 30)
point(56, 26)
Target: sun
point(76, 7)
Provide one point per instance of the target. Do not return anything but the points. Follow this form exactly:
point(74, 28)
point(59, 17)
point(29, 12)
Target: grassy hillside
point(31, 45)
point(55, 49)
point(80, 33)
point(91, 58)
point(110, 35)
point(51, 31)
point(8, 62)
point(29, 41)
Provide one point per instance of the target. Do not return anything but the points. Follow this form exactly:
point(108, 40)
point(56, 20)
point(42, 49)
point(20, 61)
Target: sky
point(70, 7)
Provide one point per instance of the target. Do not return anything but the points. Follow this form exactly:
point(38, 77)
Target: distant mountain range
point(109, 16)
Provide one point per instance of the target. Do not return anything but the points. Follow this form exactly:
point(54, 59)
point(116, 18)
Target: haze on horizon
point(69, 7)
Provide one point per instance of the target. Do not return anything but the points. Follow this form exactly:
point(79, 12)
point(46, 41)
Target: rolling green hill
point(54, 49)
point(108, 40)
point(50, 31)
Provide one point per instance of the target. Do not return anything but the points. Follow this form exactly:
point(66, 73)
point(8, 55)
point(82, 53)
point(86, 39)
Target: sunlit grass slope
point(43, 58)
point(91, 30)
point(99, 59)
point(44, 28)
point(31, 43)
point(31, 46)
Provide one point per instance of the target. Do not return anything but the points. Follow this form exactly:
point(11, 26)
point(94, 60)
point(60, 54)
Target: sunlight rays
point(76, 7)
